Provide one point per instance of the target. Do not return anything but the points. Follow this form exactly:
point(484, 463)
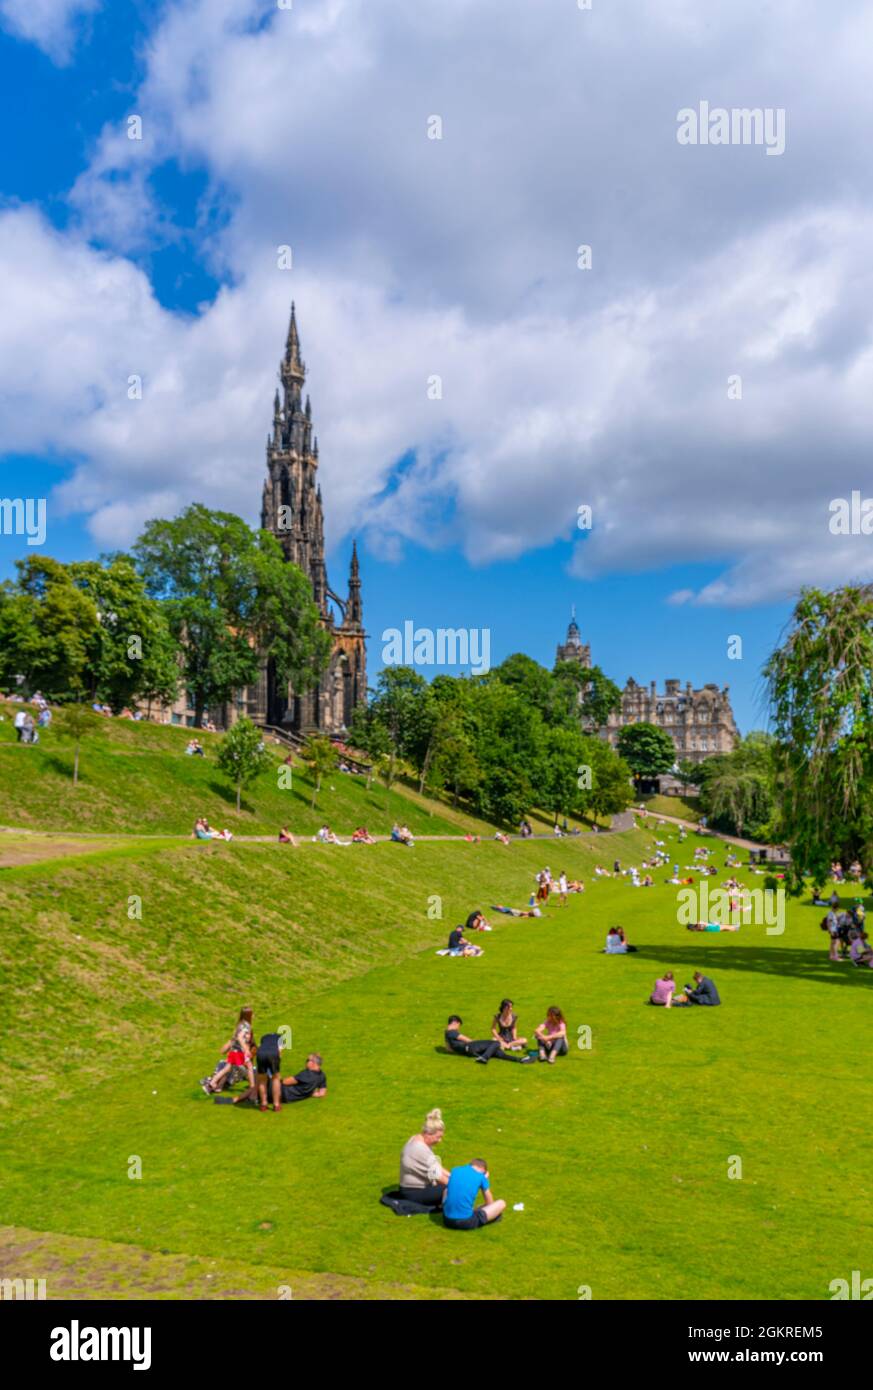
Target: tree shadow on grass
point(228, 794)
point(796, 964)
point(62, 766)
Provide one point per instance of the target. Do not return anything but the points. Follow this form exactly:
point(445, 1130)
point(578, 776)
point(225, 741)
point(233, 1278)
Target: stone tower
point(292, 510)
point(573, 649)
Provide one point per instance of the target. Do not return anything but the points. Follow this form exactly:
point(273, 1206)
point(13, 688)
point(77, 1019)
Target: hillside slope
point(136, 778)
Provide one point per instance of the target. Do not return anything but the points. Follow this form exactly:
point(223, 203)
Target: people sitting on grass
point(460, 946)
point(237, 1053)
point(422, 1177)
point(460, 1212)
point(551, 1036)
point(480, 1049)
point(524, 829)
point(600, 872)
point(703, 991)
point(327, 836)
point(860, 951)
point(617, 943)
point(504, 1028)
point(504, 839)
point(476, 921)
point(362, 836)
point(195, 749)
point(203, 831)
point(856, 873)
point(402, 834)
point(286, 838)
point(664, 994)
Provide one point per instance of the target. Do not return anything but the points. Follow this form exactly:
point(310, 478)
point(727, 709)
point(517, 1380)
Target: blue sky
point(415, 258)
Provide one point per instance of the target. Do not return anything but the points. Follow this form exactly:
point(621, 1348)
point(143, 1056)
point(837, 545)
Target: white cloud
point(50, 24)
point(457, 257)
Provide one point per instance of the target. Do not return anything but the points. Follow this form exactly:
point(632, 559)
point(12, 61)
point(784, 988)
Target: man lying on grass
point(309, 1081)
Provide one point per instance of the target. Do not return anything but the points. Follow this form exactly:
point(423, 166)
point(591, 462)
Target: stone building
point(700, 722)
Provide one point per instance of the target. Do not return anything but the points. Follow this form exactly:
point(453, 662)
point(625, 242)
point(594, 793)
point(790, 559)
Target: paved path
point(719, 834)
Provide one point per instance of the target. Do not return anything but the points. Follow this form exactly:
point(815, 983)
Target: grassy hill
point(621, 1153)
point(136, 778)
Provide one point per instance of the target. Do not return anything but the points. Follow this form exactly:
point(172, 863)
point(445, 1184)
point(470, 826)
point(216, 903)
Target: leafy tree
point(530, 681)
point(242, 755)
point(132, 645)
point(590, 695)
point(502, 795)
point(820, 686)
point(319, 755)
point(370, 735)
point(231, 599)
point(647, 750)
point(690, 773)
point(455, 764)
point(79, 722)
point(611, 784)
point(560, 788)
point(47, 629)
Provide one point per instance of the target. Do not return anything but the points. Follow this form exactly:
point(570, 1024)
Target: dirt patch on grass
point(16, 850)
point(76, 1267)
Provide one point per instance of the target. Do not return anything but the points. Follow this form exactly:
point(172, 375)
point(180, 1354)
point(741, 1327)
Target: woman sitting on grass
point(665, 994)
point(422, 1177)
point(203, 831)
point(860, 950)
point(551, 1036)
point(504, 1029)
point(362, 836)
point(402, 834)
point(617, 943)
point(286, 838)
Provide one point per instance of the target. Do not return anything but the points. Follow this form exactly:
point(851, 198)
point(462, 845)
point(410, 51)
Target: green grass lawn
point(683, 807)
point(620, 1153)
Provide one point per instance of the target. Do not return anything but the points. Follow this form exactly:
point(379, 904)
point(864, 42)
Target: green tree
point(647, 750)
point(820, 686)
point(232, 599)
point(589, 695)
point(319, 755)
point(611, 781)
point(455, 764)
point(78, 722)
point(242, 756)
point(369, 734)
point(131, 646)
point(690, 773)
point(47, 629)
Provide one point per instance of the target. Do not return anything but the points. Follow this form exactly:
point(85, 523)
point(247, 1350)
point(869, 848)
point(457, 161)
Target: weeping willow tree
point(820, 687)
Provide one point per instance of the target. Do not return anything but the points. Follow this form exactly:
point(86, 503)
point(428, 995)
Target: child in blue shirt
point(459, 1205)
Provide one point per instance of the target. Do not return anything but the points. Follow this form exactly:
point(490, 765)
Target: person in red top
point(237, 1051)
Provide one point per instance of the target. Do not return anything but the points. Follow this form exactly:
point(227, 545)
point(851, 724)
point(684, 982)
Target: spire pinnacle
point(293, 365)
